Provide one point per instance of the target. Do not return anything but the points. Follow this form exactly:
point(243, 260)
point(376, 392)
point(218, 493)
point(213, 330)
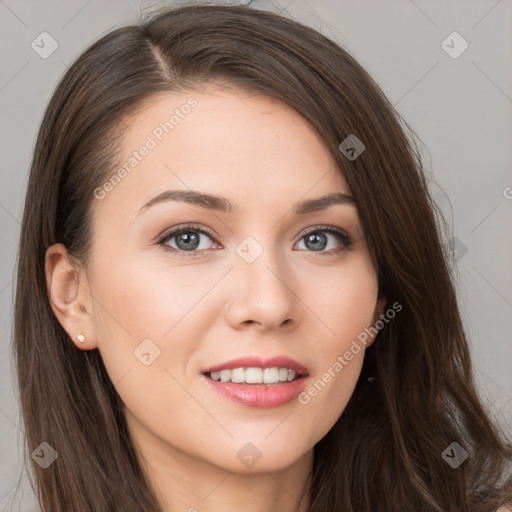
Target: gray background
point(461, 108)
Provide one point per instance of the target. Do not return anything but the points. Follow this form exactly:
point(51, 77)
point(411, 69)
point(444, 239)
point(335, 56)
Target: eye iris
point(190, 238)
point(315, 238)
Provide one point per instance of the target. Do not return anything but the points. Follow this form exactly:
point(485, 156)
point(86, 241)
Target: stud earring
point(81, 338)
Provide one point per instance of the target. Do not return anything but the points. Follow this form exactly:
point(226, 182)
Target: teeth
point(270, 375)
point(238, 375)
point(225, 375)
point(254, 375)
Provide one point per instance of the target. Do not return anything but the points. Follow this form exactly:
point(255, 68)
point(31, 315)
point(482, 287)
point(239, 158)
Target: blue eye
point(317, 237)
point(188, 240)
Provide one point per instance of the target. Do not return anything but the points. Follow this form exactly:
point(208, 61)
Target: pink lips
point(260, 396)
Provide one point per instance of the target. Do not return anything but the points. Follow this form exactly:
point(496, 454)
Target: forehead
point(228, 142)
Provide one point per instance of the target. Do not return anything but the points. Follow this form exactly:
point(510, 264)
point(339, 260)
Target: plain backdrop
point(458, 102)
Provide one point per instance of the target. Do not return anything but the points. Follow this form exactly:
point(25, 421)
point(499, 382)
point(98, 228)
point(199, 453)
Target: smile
point(255, 375)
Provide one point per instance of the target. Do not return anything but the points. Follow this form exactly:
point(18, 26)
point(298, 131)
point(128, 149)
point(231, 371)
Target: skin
point(264, 157)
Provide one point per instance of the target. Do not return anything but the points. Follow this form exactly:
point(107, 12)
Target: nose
point(263, 295)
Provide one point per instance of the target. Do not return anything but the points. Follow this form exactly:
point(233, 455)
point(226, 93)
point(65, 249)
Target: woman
point(232, 291)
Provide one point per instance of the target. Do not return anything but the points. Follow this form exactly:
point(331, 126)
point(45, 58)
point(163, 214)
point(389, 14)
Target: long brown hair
point(385, 451)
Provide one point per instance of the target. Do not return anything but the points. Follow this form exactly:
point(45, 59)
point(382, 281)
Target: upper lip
point(259, 362)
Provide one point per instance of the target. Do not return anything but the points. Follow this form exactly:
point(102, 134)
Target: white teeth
point(254, 375)
point(270, 375)
point(225, 375)
point(238, 375)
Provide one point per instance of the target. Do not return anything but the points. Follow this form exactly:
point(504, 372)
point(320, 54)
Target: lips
point(261, 396)
point(259, 362)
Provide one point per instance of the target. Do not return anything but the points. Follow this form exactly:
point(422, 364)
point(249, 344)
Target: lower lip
point(260, 396)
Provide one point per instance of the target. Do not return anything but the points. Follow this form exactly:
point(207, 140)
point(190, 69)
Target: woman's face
point(167, 308)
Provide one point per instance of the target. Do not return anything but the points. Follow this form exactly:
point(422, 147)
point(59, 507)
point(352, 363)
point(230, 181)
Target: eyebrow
point(222, 204)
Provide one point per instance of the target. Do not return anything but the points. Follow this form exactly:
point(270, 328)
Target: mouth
point(252, 370)
point(253, 375)
point(254, 382)
point(259, 395)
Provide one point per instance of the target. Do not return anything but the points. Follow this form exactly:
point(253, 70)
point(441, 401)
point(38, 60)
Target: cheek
point(141, 299)
point(137, 300)
point(347, 303)
point(145, 335)
point(328, 393)
point(347, 308)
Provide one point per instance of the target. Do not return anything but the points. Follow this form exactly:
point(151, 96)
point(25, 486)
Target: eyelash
point(341, 235)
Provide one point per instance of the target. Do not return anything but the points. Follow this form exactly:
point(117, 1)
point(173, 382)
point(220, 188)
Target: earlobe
point(379, 311)
point(379, 308)
point(70, 300)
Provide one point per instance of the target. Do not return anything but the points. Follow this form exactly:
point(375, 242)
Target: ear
point(379, 310)
point(69, 294)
